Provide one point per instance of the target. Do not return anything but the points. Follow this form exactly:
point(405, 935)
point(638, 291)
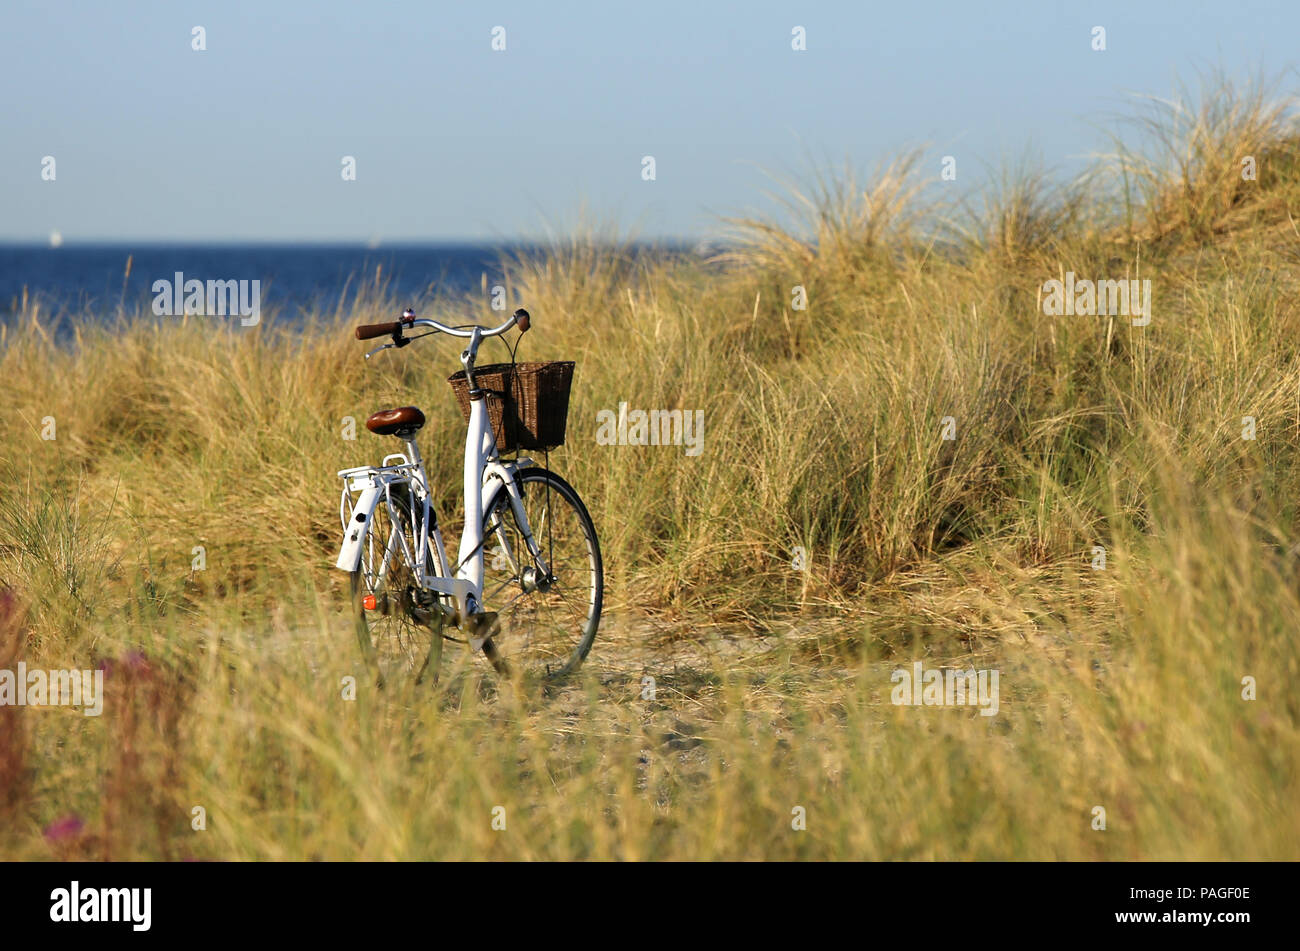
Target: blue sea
point(92, 279)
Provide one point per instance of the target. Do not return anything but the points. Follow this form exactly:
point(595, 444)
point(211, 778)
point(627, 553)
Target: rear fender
point(358, 526)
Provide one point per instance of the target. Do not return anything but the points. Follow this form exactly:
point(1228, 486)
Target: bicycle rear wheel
point(547, 611)
point(399, 627)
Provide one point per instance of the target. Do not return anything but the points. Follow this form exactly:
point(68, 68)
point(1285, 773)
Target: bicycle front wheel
point(547, 604)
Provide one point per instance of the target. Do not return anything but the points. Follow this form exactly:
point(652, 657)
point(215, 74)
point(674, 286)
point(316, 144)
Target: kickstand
point(484, 625)
point(434, 657)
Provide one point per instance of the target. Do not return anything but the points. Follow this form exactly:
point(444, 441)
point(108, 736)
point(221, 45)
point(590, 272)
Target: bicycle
point(536, 601)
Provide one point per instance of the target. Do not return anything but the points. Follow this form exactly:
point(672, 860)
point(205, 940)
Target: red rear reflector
point(369, 602)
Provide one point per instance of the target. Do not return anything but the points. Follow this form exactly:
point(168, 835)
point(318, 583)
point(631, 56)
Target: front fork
point(536, 576)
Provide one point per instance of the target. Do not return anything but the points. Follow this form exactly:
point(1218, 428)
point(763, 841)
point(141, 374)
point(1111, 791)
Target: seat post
point(412, 450)
point(413, 456)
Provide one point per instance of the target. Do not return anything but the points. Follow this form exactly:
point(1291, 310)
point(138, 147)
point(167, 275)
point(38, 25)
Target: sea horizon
point(85, 278)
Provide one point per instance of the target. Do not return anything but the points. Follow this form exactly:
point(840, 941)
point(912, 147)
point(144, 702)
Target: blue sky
point(455, 141)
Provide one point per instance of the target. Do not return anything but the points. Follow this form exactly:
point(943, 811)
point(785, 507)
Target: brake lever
point(399, 341)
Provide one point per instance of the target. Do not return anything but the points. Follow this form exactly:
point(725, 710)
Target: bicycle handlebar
point(368, 331)
point(519, 318)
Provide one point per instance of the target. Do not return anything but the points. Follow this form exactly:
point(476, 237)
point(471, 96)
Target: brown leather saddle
point(404, 421)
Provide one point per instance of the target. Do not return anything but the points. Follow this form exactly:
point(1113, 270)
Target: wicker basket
point(527, 403)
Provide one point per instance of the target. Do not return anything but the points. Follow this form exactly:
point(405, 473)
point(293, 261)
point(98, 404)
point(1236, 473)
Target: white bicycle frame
point(485, 476)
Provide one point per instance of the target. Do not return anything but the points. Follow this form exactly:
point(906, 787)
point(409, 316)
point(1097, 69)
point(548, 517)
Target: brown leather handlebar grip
point(367, 331)
point(521, 320)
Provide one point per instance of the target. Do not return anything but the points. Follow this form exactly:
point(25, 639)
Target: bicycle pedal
point(482, 624)
point(480, 627)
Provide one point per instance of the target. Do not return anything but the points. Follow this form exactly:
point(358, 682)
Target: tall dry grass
point(1121, 688)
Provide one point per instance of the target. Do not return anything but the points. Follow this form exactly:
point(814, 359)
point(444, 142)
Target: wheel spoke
point(395, 637)
point(550, 626)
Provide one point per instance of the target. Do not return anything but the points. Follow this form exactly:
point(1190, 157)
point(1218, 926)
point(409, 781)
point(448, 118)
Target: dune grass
point(728, 690)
